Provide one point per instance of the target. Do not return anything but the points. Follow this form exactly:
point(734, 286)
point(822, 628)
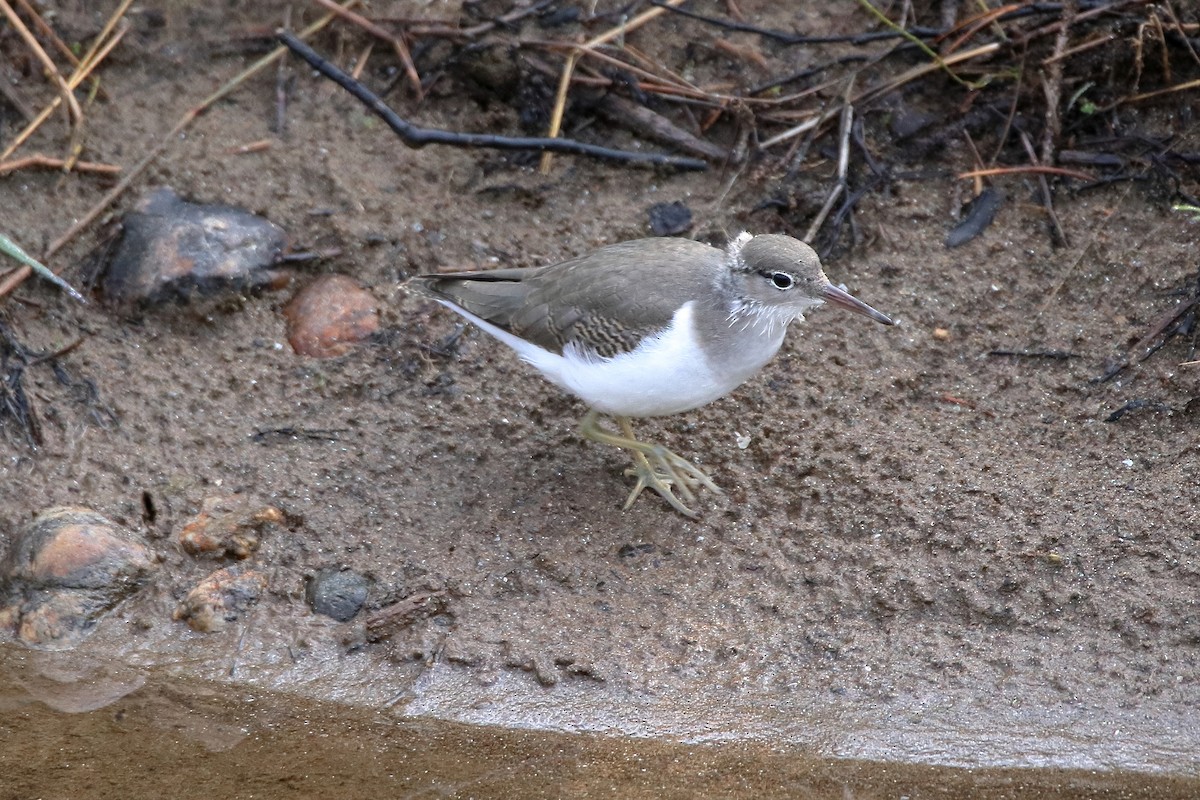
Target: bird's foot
point(667, 473)
point(654, 466)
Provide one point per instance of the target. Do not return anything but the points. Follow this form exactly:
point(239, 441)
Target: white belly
point(668, 373)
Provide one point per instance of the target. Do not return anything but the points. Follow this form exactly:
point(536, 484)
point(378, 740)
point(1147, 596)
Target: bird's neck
point(737, 335)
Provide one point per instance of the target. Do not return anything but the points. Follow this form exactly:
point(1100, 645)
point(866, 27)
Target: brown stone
point(220, 599)
point(231, 526)
point(69, 566)
point(329, 316)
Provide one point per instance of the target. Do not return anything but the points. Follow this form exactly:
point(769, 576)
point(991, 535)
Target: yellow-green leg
point(654, 466)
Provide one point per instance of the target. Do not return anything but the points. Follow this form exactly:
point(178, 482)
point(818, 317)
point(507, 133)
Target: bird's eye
point(782, 280)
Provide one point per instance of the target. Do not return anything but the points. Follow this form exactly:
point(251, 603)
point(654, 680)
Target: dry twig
point(414, 136)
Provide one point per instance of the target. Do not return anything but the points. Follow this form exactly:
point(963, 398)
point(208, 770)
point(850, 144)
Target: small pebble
point(230, 526)
point(337, 593)
point(669, 219)
point(220, 599)
point(977, 215)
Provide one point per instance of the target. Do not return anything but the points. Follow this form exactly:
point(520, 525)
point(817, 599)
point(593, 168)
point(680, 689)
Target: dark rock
point(977, 216)
point(173, 250)
point(337, 593)
point(669, 219)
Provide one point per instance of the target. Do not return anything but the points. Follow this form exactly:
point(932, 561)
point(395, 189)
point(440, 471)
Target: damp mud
point(948, 561)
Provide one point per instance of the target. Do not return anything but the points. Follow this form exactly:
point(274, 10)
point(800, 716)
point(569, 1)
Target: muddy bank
point(935, 546)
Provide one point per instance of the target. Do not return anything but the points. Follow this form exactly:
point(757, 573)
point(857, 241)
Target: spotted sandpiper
point(647, 328)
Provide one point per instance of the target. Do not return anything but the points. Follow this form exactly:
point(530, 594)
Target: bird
point(647, 328)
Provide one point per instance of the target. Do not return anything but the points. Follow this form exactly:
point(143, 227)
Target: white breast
point(666, 374)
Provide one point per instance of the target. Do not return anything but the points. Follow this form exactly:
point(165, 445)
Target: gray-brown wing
point(607, 300)
point(494, 295)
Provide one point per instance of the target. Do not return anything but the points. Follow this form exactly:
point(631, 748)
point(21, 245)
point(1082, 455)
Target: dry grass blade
point(10, 248)
point(81, 74)
point(48, 64)
point(1033, 169)
point(1182, 35)
point(1180, 87)
point(397, 42)
point(975, 24)
point(907, 76)
point(1096, 41)
point(48, 32)
point(938, 61)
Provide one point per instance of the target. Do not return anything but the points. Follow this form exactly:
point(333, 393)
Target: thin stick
point(48, 32)
point(843, 166)
point(251, 147)
point(86, 63)
point(414, 136)
point(652, 83)
point(360, 63)
point(1059, 235)
point(39, 160)
point(1031, 169)
point(166, 141)
point(973, 25)
point(978, 159)
point(1179, 27)
point(1052, 86)
point(924, 48)
point(1012, 109)
point(1095, 41)
point(906, 77)
point(560, 104)
point(78, 77)
point(1179, 87)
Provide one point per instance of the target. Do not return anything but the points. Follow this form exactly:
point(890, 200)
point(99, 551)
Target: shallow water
point(125, 733)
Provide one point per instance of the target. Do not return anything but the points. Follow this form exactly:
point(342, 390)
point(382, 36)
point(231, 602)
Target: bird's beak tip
point(848, 301)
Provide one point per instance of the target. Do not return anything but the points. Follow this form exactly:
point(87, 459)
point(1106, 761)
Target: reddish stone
point(221, 598)
point(329, 316)
point(230, 526)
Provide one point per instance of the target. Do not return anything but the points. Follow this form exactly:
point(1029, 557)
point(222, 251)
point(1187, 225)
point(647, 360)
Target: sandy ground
point(925, 553)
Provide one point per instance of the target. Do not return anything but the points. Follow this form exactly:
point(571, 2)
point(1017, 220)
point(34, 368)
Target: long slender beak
point(840, 297)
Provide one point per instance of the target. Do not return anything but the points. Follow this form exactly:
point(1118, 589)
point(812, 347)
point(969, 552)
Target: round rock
point(329, 316)
point(337, 593)
point(67, 567)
